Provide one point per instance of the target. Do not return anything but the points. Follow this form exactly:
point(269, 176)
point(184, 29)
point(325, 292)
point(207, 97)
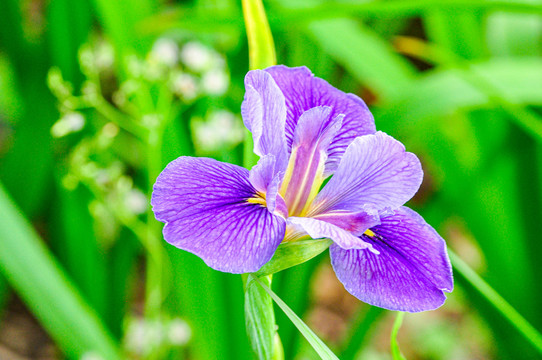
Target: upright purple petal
point(375, 174)
point(305, 173)
point(264, 114)
point(211, 209)
point(304, 91)
point(411, 272)
point(318, 229)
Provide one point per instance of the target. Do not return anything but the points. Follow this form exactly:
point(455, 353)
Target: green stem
point(154, 278)
point(259, 312)
point(510, 314)
point(395, 351)
point(261, 48)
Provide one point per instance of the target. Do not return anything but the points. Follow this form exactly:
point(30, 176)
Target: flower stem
point(259, 312)
point(511, 314)
point(395, 352)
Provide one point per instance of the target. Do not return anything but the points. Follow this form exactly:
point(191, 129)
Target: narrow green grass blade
point(359, 332)
point(317, 344)
point(511, 314)
point(395, 351)
point(293, 286)
point(34, 274)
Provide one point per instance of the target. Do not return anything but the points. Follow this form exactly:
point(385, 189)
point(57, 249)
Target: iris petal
point(264, 114)
point(318, 229)
point(410, 273)
point(305, 173)
point(303, 91)
point(375, 174)
point(205, 206)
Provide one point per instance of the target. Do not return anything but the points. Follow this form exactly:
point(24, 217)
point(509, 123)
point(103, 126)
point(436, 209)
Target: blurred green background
point(97, 96)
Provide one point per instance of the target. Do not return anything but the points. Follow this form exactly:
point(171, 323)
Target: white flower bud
point(196, 56)
point(222, 130)
point(136, 202)
point(91, 356)
point(179, 333)
point(184, 85)
point(215, 82)
point(165, 51)
point(69, 123)
point(104, 56)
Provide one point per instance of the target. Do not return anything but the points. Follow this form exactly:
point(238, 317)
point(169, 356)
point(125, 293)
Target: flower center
point(303, 179)
point(305, 172)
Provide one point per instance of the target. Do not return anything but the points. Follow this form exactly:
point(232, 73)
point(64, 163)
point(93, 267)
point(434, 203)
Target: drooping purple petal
point(305, 173)
point(211, 209)
point(375, 174)
point(318, 229)
point(264, 114)
point(355, 223)
point(411, 272)
point(304, 91)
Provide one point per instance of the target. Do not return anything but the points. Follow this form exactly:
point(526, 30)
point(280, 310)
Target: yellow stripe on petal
point(258, 199)
point(369, 233)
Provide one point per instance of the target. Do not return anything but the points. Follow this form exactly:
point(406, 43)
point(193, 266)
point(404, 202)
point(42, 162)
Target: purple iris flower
point(306, 131)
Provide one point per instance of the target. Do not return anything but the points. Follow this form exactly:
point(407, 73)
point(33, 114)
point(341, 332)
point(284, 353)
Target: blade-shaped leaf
point(317, 344)
point(39, 281)
point(292, 254)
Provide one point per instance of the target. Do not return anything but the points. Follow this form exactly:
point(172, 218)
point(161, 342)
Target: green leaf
point(364, 54)
point(395, 351)
point(36, 277)
point(261, 49)
point(510, 82)
point(260, 319)
point(293, 253)
point(261, 54)
point(317, 344)
point(359, 331)
point(507, 310)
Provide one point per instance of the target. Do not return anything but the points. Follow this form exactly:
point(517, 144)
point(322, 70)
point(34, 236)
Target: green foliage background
point(459, 82)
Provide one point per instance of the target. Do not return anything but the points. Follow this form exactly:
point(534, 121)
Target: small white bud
point(184, 85)
point(104, 56)
point(221, 130)
point(165, 51)
point(215, 82)
point(136, 202)
point(91, 356)
point(69, 123)
point(179, 333)
point(196, 56)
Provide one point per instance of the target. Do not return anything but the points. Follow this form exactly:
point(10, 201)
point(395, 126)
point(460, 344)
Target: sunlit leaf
point(43, 286)
point(293, 253)
point(317, 344)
